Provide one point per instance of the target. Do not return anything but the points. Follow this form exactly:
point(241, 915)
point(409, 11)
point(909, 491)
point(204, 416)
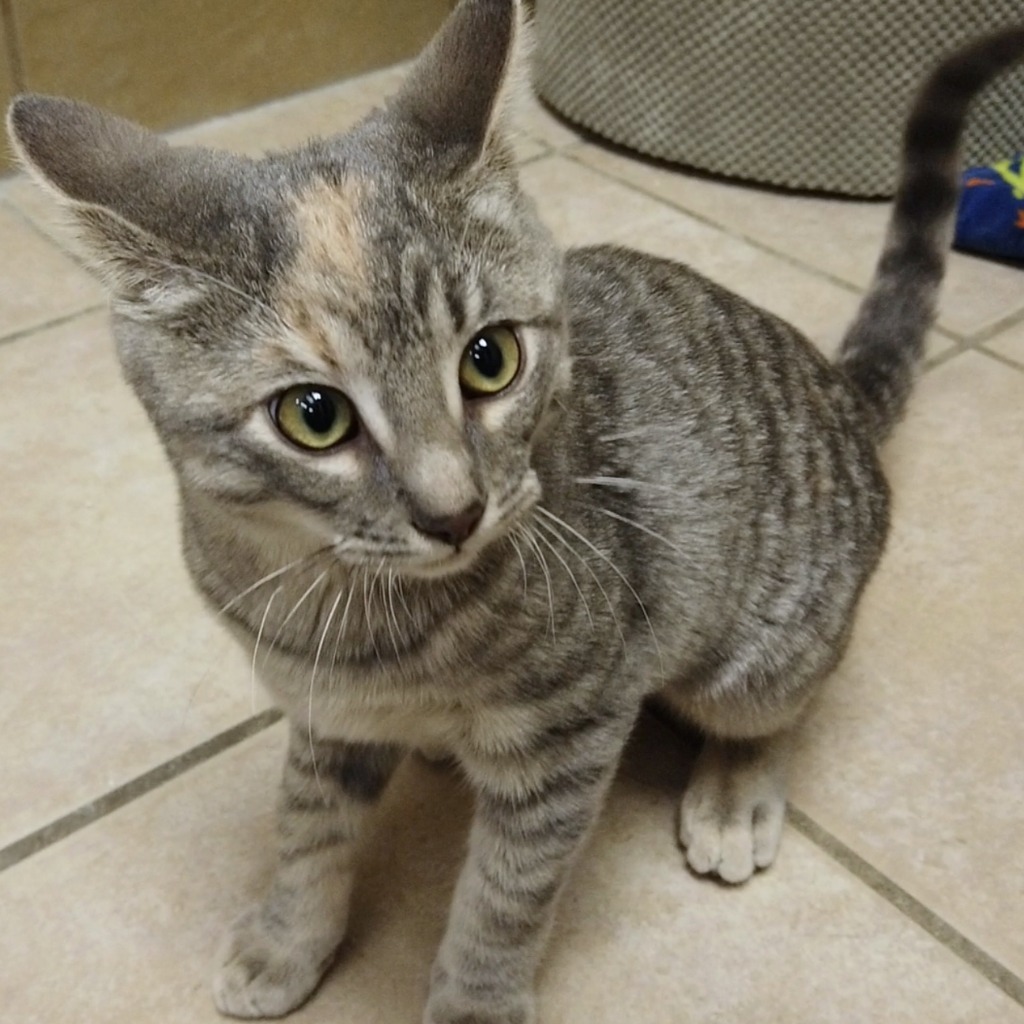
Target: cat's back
point(667, 308)
point(659, 339)
point(741, 452)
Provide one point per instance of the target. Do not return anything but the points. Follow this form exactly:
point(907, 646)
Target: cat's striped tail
point(884, 344)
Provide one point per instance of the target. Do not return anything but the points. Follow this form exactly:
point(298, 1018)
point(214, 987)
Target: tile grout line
point(56, 240)
point(542, 155)
point(87, 814)
point(937, 927)
point(981, 350)
point(27, 332)
point(994, 329)
point(848, 286)
point(998, 357)
point(958, 349)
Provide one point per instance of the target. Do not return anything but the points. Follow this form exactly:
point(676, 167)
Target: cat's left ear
point(462, 91)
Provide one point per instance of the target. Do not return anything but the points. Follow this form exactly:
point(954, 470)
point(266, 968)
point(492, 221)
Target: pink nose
point(452, 529)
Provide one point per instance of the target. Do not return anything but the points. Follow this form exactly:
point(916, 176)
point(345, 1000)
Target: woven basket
point(803, 94)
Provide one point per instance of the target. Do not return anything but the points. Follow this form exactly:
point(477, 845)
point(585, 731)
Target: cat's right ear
point(119, 184)
point(462, 90)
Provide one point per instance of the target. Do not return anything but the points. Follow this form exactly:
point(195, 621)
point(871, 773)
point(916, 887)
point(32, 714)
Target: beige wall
point(6, 85)
point(171, 62)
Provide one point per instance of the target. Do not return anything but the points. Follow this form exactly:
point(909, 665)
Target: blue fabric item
point(990, 217)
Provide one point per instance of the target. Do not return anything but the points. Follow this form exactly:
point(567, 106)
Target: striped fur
point(682, 498)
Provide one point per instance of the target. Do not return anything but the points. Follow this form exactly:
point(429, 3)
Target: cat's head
point(356, 341)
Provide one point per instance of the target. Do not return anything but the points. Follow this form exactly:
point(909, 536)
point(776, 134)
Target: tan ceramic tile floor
point(138, 767)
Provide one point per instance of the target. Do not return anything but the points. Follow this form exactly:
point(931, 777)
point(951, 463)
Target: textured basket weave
point(807, 94)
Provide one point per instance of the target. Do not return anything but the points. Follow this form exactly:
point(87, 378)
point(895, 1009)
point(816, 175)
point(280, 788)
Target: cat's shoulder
point(613, 290)
point(596, 274)
point(617, 278)
point(616, 260)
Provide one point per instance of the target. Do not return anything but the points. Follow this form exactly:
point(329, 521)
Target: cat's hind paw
point(731, 818)
point(266, 971)
point(731, 848)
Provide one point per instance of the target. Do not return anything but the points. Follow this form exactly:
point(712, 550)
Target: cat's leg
point(734, 807)
point(276, 953)
point(526, 832)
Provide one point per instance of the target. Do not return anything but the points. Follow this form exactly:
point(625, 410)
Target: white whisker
point(312, 687)
point(625, 483)
point(554, 532)
point(367, 596)
point(625, 435)
point(572, 576)
point(389, 613)
point(532, 541)
point(518, 531)
point(618, 572)
point(256, 648)
point(341, 626)
point(645, 529)
point(687, 557)
point(400, 587)
point(298, 604)
point(272, 576)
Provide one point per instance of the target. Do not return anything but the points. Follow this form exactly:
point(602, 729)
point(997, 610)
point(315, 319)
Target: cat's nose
point(453, 529)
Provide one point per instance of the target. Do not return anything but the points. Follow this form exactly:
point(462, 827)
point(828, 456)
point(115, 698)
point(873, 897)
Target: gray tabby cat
point(464, 491)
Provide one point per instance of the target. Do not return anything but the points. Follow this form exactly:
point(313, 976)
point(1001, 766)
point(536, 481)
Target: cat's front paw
point(453, 1013)
point(449, 1005)
point(268, 968)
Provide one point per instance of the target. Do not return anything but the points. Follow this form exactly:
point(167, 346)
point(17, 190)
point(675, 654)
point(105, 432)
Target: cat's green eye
point(489, 362)
point(314, 417)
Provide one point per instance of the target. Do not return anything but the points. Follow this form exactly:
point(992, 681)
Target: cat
point(467, 492)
